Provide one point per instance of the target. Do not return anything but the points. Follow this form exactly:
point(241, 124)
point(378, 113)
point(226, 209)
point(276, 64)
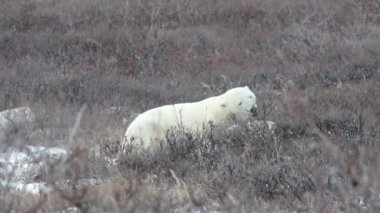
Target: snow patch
point(16, 117)
point(20, 166)
point(28, 188)
point(31, 154)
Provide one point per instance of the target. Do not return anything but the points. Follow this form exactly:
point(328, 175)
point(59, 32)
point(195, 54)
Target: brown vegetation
point(314, 66)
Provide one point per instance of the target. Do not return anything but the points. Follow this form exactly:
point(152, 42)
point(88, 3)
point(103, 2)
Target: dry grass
point(313, 65)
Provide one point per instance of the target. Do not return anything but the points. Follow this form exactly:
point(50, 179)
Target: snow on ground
point(68, 210)
point(28, 188)
point(37, 188)
point(29, 154)
point(19, 166)
point(18, 116)
point(257, 124)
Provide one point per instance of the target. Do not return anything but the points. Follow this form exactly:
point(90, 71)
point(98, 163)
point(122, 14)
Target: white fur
point(152, 126)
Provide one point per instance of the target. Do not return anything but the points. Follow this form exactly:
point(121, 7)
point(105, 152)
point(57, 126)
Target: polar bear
point(152, 126)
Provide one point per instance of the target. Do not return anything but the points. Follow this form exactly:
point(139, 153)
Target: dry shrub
point(312, 64)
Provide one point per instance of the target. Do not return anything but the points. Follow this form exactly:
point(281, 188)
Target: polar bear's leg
point(152, 134)
point(144, 132)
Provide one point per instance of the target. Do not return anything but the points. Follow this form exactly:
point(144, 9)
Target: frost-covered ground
point(15, 117)
point(20, 167)
point(23, 166)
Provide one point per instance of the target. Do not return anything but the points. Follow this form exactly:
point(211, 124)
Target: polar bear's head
point(240, 102)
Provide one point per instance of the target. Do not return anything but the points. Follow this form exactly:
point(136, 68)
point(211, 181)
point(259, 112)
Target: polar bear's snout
point(254, 111)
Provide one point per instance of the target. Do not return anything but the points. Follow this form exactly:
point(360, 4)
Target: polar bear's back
point(155, 123)
point(196, 115)
point(149, 124)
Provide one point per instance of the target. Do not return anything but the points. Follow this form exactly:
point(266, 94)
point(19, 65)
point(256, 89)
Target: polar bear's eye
point(240, 103)
point(250, 96)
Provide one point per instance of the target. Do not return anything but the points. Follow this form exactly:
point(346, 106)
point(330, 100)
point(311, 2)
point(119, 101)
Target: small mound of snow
point(18, 116)
point(21, 169)
point(28, 188)
point(270, 125)
point(257, 124)
point(69, 210)
point(20, 166)
point(30, 154)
